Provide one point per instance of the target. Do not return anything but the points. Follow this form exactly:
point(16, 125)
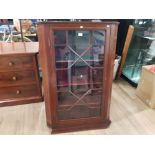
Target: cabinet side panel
point(110, 66)
point(45, 50)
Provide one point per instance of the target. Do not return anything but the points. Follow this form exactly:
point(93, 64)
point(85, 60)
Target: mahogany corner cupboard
point(77, 61)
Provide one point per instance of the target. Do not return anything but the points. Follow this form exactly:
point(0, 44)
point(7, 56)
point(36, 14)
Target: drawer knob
point(18, 92)
point(10, 64)
point(14, 78)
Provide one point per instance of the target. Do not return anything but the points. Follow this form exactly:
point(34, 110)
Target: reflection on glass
point(79, 69)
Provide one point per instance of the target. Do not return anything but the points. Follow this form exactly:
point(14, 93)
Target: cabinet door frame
point(50, 70)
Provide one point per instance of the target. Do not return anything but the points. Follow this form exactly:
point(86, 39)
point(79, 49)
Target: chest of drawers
point(19, 79)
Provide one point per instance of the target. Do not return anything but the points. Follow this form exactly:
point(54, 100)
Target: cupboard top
point(74, 23)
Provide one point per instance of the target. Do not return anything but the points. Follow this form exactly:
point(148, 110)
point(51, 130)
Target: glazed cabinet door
point(79, 67)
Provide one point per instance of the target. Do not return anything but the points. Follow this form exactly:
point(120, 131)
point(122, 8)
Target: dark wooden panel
point(84, 126)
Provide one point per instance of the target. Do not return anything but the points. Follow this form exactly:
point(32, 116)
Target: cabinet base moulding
point(92, 126)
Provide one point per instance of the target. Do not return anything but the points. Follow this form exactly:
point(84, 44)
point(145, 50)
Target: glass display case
point(141, 50)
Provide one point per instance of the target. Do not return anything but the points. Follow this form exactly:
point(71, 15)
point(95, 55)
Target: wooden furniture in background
point(125, 50)
point(19, 76)
point(77, 60)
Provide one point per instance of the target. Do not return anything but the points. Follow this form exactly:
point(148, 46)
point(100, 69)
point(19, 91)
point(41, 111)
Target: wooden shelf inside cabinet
point(71, 61)
point(77, 65)
point(77, 84)
point(99, 89)
point(93, 68)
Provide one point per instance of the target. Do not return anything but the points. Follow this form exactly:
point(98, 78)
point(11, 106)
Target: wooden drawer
point(11, 62)
point(18, 92)
point(17, 78)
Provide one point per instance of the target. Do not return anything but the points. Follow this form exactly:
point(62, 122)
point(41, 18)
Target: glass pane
point(79, 41)
point(97, 76)
point(60, 37)
point(79, 69)
point(65, 53)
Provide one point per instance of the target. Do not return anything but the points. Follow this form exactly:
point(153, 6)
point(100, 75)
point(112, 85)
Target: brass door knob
point(14, 78)
point(18, 92)
point(10, 64)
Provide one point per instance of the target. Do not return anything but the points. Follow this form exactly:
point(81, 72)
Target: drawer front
point(15, 62)
point(16, 78)
point(18, 92)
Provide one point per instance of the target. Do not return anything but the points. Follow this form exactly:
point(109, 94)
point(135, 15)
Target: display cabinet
point(77, 61)
point(141, 51)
